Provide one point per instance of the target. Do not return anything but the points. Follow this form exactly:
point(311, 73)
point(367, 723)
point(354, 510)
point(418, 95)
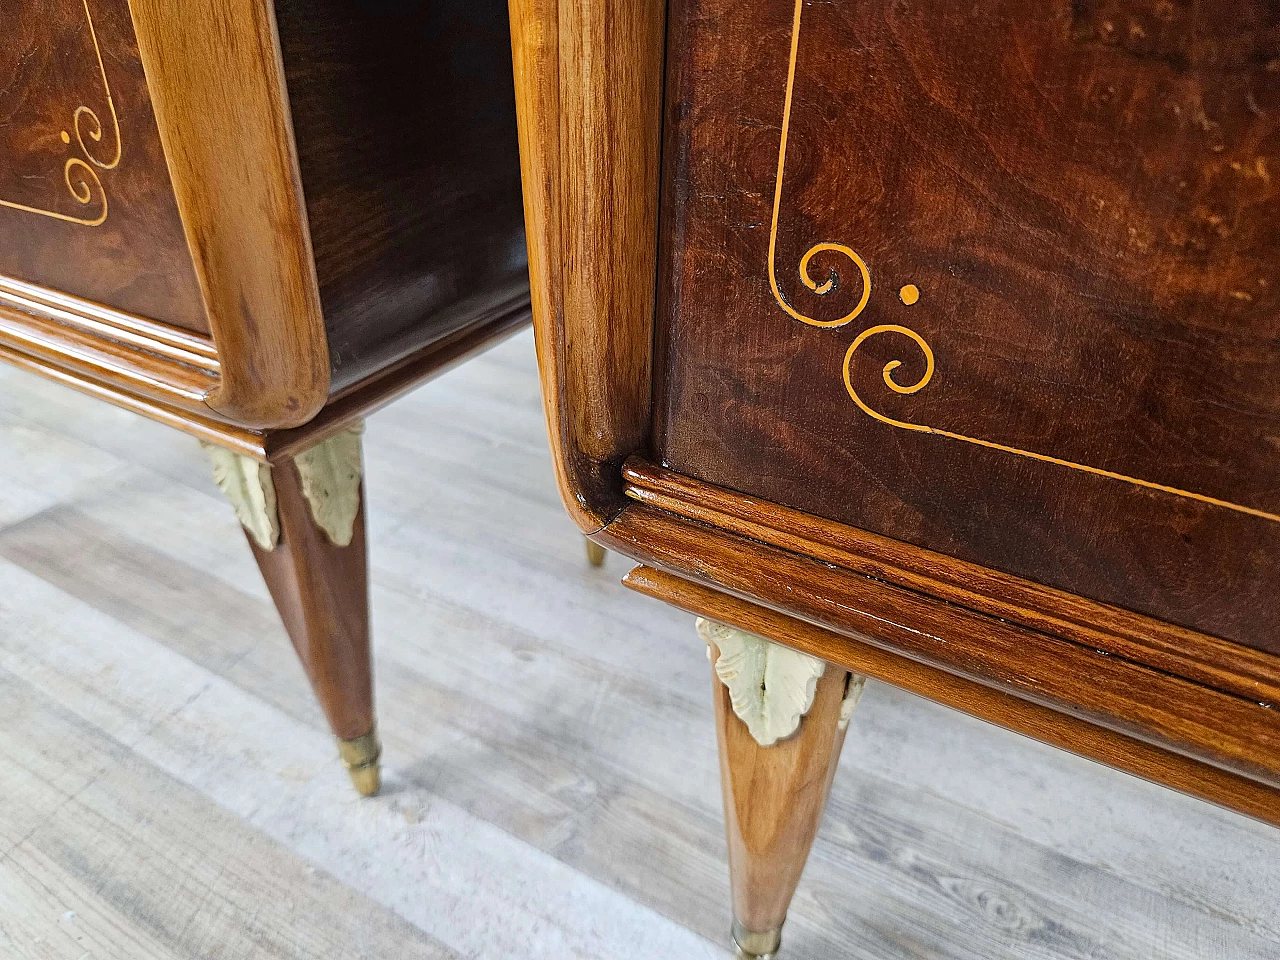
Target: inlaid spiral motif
point(832, 282)
point(78, 173)
point(909, 295)
point(95, 131)
point(84, 184)
point(888, 371)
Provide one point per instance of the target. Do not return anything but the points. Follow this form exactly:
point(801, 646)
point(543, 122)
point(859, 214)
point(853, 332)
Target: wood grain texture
point(579, 800)
point(1185, 653)
point(404, 117)
point(1084, 202)
point(1231, 732)
point(217, 86)
point(412, 180)
point(588, 99)
point(774, 798)
point(946, 687)
point(55, 96)
point(322, 593)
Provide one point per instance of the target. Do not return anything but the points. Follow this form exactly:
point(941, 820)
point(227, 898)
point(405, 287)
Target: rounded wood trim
point(1175, 714)
point(1187, 653)
point(217, 86)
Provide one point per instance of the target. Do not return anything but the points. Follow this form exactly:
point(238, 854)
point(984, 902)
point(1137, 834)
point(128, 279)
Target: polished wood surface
point(411, 190)
point(1073, 212)
point(961, 359)
point(86, 205)
point(322, 593)
point(1218, 728)
point(586, 75)
point(217, 85)
point(404, 117)
point(1208, 660)
point(774, 798)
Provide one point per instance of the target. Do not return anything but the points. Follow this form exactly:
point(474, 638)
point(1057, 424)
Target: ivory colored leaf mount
point(330, 472)
point(770, 686)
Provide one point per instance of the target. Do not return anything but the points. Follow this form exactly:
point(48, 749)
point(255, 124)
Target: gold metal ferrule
point(360, 756)
point(756, 946)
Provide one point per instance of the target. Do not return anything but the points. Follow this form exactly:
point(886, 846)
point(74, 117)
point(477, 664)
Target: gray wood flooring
point(168, 789)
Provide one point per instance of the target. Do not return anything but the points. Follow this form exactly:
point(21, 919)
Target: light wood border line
point(832, 283)
point(79, 175)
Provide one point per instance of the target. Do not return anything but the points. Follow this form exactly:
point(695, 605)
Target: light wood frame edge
point(217, 87)
point(588, 80)
point(1174, 713)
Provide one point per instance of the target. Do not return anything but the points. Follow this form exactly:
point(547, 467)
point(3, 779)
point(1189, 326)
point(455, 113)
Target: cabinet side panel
point(404, 116)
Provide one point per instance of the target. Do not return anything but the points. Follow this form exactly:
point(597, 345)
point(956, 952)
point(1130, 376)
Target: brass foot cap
point(360, 756)
point(756, 946)
point(595, 554)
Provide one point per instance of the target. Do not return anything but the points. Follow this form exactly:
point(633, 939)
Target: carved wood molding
point(770, 686)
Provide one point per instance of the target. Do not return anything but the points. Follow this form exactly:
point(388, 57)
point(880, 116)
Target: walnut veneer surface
point(1065, 365)
point(225, 213)
point(86, 206)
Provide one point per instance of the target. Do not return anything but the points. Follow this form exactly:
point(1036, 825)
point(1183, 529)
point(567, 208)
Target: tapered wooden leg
point(304, 520)
point(780, 720)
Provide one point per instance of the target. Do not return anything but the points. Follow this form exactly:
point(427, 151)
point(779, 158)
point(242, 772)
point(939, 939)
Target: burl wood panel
point(86, 205)
point(1071, 208)
point(404, 115)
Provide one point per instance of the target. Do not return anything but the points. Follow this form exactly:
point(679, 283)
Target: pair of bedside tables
point(927, 343)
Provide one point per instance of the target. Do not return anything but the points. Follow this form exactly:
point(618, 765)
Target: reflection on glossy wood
point(586, 75)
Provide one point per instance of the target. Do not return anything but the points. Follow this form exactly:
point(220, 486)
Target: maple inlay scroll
point(80, 173)
point(909, 295)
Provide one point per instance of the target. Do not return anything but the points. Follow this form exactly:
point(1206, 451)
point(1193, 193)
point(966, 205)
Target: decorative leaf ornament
point(770, 686)
point(247, 484)
point(854, 684)
point(330, 473)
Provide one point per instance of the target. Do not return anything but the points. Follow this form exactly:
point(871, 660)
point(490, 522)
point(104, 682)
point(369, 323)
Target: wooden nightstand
point(257, 222)
point(929, 342)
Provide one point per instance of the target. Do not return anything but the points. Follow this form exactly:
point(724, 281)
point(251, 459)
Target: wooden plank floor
point(168, 789)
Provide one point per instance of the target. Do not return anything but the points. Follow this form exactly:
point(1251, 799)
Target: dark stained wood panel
point(404, 115)
point(1073, 211)
point(86, 205)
